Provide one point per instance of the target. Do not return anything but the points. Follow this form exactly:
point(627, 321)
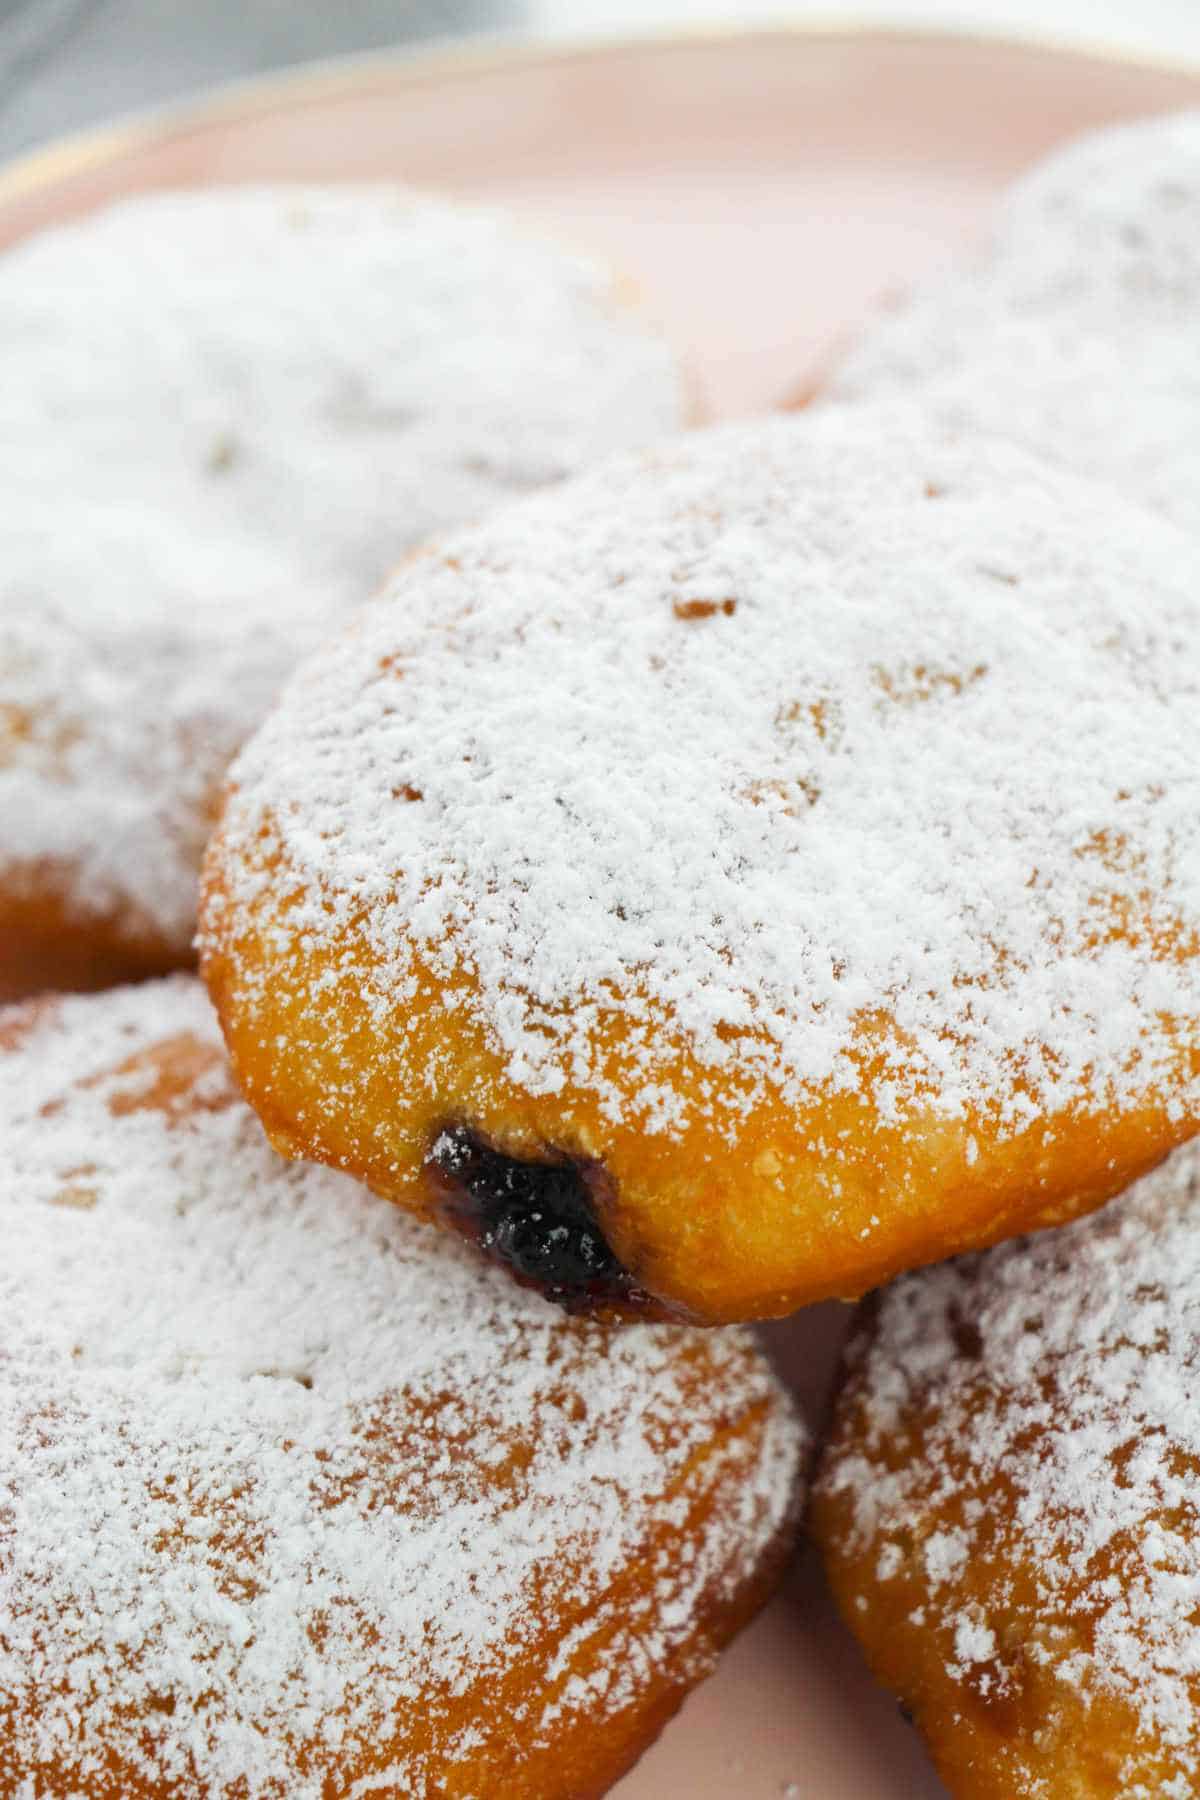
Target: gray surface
point(69, 63)
point(65, 64)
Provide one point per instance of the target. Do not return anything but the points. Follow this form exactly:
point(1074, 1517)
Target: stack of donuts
point(719, 869)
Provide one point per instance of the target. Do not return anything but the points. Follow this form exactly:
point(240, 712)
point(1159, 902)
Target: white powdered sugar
point(1075, 332)
point(751, 740)
point(224, 415)
point(1044, 1396)
point(285, 1475)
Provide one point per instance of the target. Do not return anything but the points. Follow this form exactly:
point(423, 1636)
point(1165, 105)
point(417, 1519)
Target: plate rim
point(481, 54)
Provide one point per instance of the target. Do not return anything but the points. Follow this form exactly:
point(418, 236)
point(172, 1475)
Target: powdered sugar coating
point(749, 740)
point(1074, 332)
point(283, 1471)
point(225, 414)
point(1042, 1397)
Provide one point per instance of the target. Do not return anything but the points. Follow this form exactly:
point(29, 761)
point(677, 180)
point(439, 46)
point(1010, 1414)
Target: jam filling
point(538, 1219)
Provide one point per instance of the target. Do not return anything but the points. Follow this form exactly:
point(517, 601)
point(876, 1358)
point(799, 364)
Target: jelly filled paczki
point(786, 844)
point(232, 411)
point(1007, 1505)
point(301, 1499)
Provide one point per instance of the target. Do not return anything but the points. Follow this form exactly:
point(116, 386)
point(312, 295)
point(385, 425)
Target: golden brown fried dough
point(745, 873)
point(226, 414)
point(1010, 1499)
point(297, 1497)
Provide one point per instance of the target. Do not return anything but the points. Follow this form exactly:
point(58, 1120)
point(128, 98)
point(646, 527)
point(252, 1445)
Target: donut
point(1073, 330)
point(226, 413)
point(1007, 1505)
point(764, 865)
point(301, 1500)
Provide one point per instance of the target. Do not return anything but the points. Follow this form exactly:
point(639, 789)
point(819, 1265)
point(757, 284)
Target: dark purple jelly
point(537, 1218)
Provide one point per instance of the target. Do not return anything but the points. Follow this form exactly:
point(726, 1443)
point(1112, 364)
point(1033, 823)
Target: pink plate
point(763, 187)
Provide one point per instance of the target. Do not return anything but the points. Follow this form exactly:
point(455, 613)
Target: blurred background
point(68, 63)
